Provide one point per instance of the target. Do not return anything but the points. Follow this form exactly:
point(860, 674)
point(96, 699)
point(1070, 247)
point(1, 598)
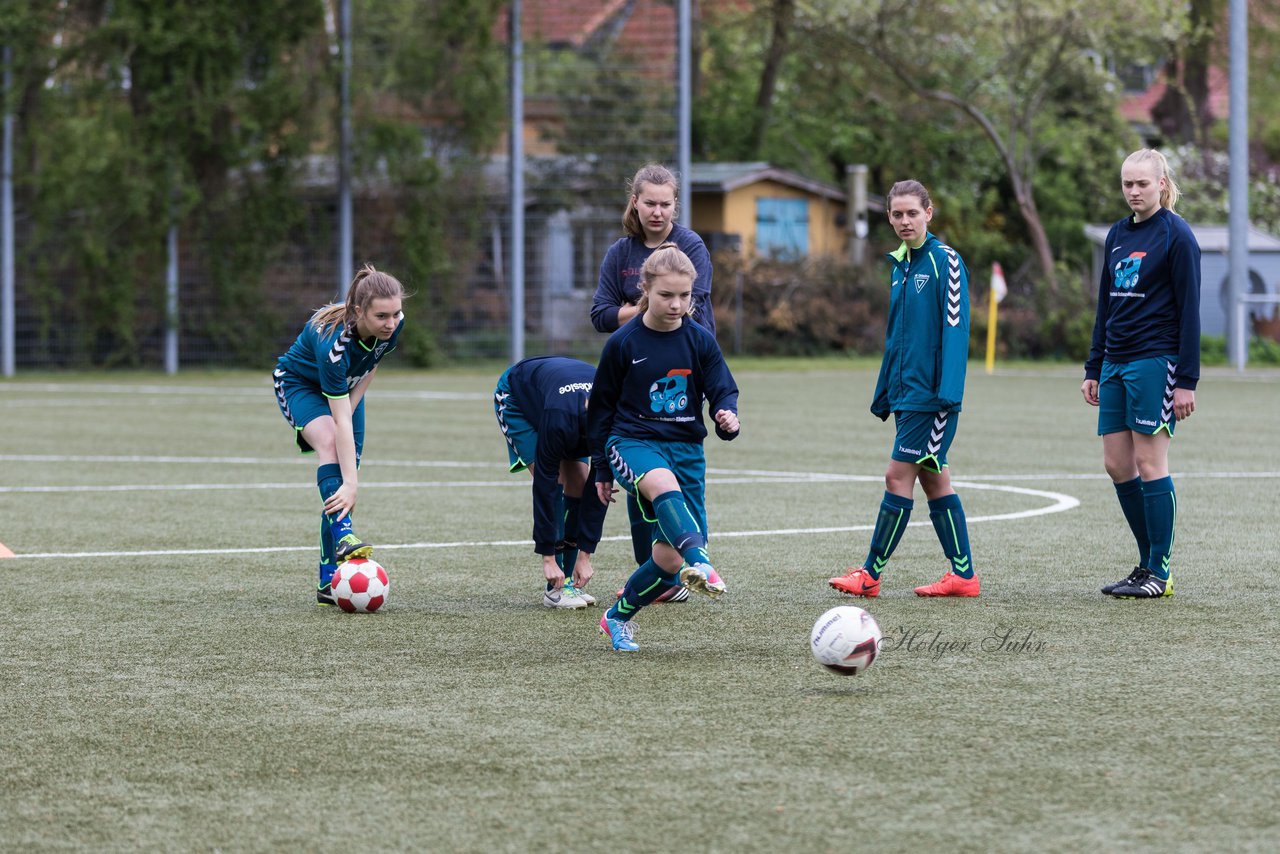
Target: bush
point(799, 308)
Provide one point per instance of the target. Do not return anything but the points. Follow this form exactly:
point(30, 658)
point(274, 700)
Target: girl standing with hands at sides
point(646, 429)
point(1144, 362)
point(649, 222)
point(921, 384)
point(320, 384)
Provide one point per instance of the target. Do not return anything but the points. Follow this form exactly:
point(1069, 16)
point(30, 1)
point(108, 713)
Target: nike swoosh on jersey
point(638, 361)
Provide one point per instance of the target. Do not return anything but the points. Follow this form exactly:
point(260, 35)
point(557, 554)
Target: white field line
point(95, 389)
point(1058, 503)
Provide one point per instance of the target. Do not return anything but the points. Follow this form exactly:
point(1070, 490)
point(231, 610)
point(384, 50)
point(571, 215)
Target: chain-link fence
point(599, 100)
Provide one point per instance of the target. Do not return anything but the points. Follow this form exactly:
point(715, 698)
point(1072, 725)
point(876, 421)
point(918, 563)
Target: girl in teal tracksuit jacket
point(921, 384)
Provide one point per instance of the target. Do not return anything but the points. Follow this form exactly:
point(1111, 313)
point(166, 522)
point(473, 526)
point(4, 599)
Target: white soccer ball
point(845, 640)
point(360, 585)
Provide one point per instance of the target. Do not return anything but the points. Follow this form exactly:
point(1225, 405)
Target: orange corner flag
point(5, 551)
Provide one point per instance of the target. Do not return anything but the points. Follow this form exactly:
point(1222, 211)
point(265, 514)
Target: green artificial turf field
point(169, 684)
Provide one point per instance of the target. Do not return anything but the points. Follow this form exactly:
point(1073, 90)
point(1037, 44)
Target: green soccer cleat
point(324, 595)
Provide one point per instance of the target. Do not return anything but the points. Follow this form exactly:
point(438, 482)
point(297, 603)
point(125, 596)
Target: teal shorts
point(924, 438)
point(1137, 396)
point(521, 435)
point(522, 439)
point(301, 403)
point(632, 459)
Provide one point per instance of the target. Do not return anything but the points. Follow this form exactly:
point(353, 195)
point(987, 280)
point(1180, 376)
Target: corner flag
point(997, 293)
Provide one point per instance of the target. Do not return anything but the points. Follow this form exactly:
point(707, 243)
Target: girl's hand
point(341, 502)
point(1090, 391)
point(728, 421)
point(605, 491)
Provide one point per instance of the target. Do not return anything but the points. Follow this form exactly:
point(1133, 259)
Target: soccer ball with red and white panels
point(360, 585)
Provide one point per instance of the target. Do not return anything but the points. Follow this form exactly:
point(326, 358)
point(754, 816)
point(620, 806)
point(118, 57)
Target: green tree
point(1010, 67)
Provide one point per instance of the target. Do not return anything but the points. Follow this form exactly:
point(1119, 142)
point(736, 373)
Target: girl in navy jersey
point(649, 221)
point(1144, 362)
point(320, 384)
point(541, 407)
point(646, 428)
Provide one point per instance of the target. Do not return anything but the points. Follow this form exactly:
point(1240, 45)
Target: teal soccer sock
point(329, 479)
point(641, 531)
point(568, 557)
point(895, 512)
point(679, 528)
point(947, 515)
point(1161, 507)
point(1133, 505)
point(647, 583)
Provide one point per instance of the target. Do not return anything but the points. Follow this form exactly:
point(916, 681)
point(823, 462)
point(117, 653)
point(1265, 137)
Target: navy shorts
point(1137, 396)
point(924, 438)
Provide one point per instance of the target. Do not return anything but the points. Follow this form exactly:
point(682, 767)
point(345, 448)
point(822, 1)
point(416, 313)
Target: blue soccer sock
point(326, 573)
point(1133, 505)
point(947, 515)
point(641, 531)
point(679, 528)
point(891, 522)
point(646, 584)
point(1161, 507)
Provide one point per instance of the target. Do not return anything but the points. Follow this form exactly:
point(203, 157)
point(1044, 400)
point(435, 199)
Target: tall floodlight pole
point(1238, 181)
point(7, 301)
point(516, 168)
point(345, 263)
point(684, 110)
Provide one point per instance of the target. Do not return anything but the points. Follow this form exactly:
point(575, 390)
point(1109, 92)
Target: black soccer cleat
point(324, 594)
point(1128, 579)
point(1146, 586)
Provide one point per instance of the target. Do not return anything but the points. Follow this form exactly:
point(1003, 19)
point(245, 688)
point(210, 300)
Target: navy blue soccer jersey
point(335, 362)
point(551, 392)
point(1149, 297)
point(620, 278)
point(650, 385)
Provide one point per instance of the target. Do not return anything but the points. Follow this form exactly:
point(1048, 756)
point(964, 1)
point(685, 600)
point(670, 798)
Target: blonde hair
point(1170, 194)
point(652, 173)
point(666, 259)
point(368, 285)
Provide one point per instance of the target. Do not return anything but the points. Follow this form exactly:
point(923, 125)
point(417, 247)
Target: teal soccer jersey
point(336, 362)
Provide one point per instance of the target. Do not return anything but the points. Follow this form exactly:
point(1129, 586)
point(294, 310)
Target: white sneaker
point(562, 599)
point(571, 589)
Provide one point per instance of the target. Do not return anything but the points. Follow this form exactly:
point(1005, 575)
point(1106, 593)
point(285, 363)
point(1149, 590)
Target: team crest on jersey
point(921, 280)
point(1126, 272)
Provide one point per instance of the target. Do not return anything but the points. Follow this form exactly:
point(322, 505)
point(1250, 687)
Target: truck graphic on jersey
point(1126, 274)
point(670, 393)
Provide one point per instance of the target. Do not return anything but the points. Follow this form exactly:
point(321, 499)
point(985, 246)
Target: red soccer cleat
point(950, 585)
point(856, 582)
